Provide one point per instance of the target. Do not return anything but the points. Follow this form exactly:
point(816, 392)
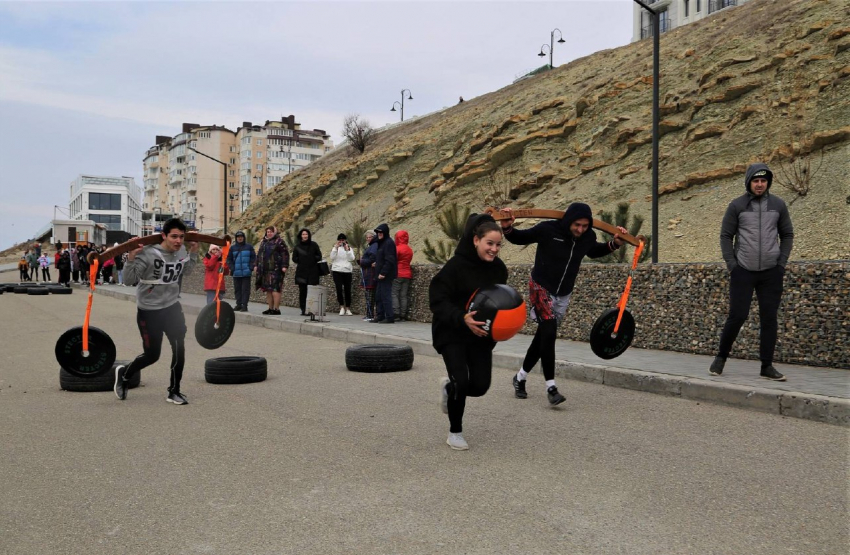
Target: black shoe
point(387, 322)
point(303, 313)
point(276, 312)
point(770, 373)
point(377, 320)
point(519, 388)
point(120, 382)
point(717, 365)
point(555, 398)
point(270, 311)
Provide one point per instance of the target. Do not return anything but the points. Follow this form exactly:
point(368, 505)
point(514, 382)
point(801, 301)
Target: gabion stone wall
point(677, 307)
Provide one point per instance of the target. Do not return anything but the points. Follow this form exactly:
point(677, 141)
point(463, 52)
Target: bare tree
point(797, 175)
point(358, 132)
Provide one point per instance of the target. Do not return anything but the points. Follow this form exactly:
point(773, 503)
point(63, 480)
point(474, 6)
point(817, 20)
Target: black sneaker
point(269, 311)
point(770, 373)
point(519, 388)
point(177, 399)
point(717, 365)
point(555, 398)
point(120, 382)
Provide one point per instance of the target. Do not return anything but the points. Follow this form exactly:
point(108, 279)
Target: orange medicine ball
point(501, 308)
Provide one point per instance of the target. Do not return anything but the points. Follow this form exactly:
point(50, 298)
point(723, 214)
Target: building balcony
point(717, 5)
point(663, 22)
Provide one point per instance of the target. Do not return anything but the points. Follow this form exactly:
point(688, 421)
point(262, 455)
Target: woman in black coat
point(465, 346)
point(306, 255)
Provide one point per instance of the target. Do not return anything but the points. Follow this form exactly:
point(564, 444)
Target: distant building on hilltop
point(675, 13)
point(179, 181)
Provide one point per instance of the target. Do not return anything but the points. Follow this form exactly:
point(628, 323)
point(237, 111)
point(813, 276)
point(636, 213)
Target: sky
point(85, 87)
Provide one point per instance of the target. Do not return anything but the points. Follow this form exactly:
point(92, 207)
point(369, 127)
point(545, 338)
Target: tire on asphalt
point(21, 289)
point(234, 370)
point(58, 290)
point(379, 358)
point(37, 291)
point(103, 382)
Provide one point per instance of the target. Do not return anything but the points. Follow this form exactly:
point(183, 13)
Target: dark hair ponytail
point(486, 227)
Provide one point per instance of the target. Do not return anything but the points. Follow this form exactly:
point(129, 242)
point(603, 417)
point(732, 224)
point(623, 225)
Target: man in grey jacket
point(756, 239)
point(156, 269)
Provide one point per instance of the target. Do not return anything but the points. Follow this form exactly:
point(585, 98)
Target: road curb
point(806, 406)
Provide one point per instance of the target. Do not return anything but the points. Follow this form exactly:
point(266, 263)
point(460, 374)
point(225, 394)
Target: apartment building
point(270, 152)
point(114, 202)
point(180, 180)
point(675, 13)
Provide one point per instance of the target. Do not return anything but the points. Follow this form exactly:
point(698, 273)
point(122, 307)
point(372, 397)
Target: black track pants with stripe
point(153, 324)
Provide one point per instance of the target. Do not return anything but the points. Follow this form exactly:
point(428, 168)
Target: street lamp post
point(223, 184)
point(551, 45)
point(409, 97)
point(656, 32)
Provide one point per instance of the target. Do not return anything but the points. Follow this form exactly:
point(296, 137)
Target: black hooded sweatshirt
point(454, 284)
point(559, 254)
point(306, 255)
point(386, 261)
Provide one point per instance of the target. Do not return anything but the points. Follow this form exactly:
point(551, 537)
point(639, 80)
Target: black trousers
point(384, 300)
point(342, 281)
point(242, 290)
point(152, 325)
point(542, 349)
point(302, 297)
point(767, 285)
point(470, 369)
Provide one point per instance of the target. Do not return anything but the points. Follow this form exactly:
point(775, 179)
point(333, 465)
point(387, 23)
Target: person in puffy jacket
point(368, 277)
point(756, 237)
point(401, 284)
point(272, 264)
point(387, 268)
point(561, 246)
point(212, 265)
point(241, 260)
point(342, 255)
point(63, 266)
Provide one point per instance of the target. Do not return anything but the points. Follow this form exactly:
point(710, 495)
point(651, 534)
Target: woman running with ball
point(464, 344)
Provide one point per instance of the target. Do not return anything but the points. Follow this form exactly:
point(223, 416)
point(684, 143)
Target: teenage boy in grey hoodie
point(156, 269)
point(756, 239)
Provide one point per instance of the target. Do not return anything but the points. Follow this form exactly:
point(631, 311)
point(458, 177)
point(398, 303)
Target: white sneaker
point(348, 312)
point(341, 311)
point(444, 395)
point(456, 442)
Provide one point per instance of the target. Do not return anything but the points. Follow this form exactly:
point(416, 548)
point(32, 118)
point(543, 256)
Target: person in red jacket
point(401, 285)
point(212, 263)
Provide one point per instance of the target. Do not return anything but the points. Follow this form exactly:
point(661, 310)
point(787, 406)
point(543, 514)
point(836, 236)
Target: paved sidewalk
point(813, 393)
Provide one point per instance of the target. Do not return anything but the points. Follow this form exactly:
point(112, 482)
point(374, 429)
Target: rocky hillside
point(766, 81)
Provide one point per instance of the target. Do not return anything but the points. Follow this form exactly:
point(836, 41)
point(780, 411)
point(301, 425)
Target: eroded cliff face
point(766, 81)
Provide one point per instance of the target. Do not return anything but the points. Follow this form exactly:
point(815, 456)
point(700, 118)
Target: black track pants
point(767, 285)
point(342, 281)
point(542, 349)
point(152, 325)
point(470, 369)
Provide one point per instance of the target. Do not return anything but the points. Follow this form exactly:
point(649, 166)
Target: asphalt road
point(321, 460)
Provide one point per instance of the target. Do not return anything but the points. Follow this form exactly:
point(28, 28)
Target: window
point(699, 6)
point(259, 154)
point(259, 191)
point(686, 5)
point(259, 167)
point(104, 201)
point(204, 134)
point(232, 185)
point(111, 221)
point(233, 160)
point(259, 142)
point(232, 173)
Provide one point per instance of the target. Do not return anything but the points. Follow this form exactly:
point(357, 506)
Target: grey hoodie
point(157, 271)
point(756, 232)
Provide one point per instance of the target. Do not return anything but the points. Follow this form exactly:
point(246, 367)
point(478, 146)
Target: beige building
point(179, 180)
point(675, 13)
point(270, 152)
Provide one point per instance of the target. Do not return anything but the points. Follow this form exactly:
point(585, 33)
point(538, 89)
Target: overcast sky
point(86, 86)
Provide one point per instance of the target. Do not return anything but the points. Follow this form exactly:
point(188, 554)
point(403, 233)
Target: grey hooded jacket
point(157, 273)
point(756, 233)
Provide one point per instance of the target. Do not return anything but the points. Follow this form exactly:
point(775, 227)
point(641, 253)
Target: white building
point(114, 202)
point(675, 13)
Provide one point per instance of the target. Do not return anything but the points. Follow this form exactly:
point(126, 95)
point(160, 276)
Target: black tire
point(21, 289)
point(103, 382)
point(37, 291)
point(379, 358)
point(57, 290)
point(232, 370)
